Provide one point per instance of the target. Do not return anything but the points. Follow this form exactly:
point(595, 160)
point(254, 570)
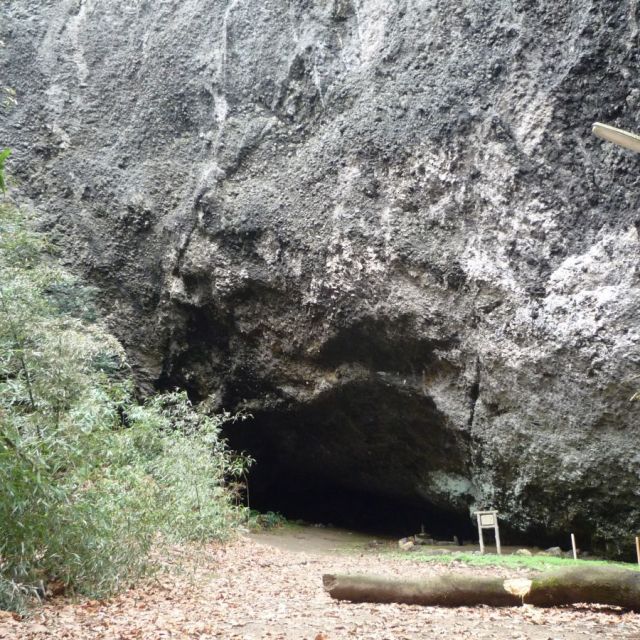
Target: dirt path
point(269, 586)
point(316, 539)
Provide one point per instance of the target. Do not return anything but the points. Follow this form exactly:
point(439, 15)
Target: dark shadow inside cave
point(318, 501)
point(355, 457)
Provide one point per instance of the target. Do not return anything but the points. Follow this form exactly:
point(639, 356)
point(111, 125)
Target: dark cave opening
point(355, 457)
point(362, 456)
point(319, 501)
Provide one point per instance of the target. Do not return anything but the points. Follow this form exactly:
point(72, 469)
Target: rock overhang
point(283, 205)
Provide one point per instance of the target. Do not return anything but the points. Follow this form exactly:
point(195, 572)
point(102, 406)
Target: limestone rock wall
point(382, 226)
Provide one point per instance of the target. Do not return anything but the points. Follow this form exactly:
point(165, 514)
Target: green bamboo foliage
point(90, 480)
point(4, 154)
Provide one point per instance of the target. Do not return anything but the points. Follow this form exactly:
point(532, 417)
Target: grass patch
point(509, 561)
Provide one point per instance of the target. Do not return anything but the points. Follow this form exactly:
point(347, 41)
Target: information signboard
point(488, 520)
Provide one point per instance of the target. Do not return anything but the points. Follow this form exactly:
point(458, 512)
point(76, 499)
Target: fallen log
point(592, 585)
point(446, 591)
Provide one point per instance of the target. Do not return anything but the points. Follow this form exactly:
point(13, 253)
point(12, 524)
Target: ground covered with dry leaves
point(269, 586)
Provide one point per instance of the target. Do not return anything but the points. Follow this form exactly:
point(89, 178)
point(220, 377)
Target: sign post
point(488, 520)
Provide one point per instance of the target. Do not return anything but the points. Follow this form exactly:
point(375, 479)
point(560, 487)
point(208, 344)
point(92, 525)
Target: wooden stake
point(481, 539)
point(638, 548)
point(573, 546)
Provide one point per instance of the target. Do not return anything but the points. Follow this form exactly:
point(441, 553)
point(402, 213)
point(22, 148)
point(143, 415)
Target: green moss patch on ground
point(511, 561)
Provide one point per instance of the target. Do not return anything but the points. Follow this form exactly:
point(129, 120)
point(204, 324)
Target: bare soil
point(269, 585)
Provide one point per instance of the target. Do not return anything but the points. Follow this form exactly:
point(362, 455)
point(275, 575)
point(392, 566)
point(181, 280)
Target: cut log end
point(328, 581)
point(518, 586)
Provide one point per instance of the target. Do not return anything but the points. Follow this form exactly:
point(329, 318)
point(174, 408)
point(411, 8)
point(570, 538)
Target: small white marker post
point(488, 520)
point(638, 548)
point(573, 546)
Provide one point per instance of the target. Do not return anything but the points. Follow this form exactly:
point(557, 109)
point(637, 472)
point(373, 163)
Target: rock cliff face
point(381, 226)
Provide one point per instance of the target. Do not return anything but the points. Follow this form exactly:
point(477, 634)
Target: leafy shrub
point(89, 480)
point(4, 154)
point(191, 466)
point(265, 521)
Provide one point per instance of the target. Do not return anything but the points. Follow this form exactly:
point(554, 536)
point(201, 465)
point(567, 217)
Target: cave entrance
point(360, 456)
point(320, 501)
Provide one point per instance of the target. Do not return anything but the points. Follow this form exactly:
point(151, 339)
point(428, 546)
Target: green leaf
point(4, 154)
